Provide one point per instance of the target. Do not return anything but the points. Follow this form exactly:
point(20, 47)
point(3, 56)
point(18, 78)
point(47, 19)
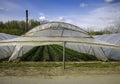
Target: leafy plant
point(54, 53)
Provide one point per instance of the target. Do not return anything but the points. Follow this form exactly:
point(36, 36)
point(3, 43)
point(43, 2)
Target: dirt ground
point(81, 79)
point(56, 75)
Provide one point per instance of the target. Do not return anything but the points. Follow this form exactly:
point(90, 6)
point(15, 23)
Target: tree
point(33, 23)
point(17, 27)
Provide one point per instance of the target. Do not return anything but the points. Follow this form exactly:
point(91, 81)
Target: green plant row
point(38, 54)
point(55, 53)
point(27, 56)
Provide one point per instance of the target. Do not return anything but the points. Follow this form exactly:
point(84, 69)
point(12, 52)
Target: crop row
point(54, 53)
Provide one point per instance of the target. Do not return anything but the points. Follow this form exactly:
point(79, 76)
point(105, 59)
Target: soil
point(81, 79)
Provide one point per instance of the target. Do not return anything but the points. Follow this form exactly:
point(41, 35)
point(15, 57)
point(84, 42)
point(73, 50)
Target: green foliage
point(51, 53)
point(95, 64)
point(59, 51)
point(33, 23)
point(46, 54)
point(27, 56)
point(29, 64)
point(16, 27)
point(58, 64)
point(37, 56)
point(75, 55)
point(92, 32)
point(96, 33)
point(54, 53)
point(4, 59)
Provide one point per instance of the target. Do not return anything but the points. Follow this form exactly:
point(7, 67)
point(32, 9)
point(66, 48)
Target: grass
point(46, 69)
point(96, 64)
point(29, 64)
point(59, 64)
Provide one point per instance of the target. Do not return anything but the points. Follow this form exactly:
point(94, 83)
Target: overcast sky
point(94, 14)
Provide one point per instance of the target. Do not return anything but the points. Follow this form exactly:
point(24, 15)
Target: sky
point(87, 14)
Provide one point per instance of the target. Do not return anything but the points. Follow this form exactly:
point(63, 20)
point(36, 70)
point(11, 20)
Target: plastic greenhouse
point(60, 33)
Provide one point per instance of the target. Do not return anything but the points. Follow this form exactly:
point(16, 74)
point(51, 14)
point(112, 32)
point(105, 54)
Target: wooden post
point(64, 55)
point(26, 27)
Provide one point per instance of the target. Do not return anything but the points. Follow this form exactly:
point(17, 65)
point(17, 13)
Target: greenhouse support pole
point(64, 43)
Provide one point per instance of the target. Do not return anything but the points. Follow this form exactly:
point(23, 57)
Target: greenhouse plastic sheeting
point(113, 54)
point(7, 51)
point(57, 33)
